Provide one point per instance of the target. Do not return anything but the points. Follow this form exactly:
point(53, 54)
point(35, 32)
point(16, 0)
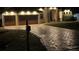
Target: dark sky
point(17, 9)
point(73, 9)
point(2, 9)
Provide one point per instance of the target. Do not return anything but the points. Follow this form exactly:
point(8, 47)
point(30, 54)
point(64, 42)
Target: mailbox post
point(28, 28)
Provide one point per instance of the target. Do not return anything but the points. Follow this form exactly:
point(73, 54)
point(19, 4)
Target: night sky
point(17, 9)
point(73, 9)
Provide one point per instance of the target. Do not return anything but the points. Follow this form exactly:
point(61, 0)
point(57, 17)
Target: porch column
point(16, 20)
point(3, 21)
point(45, 15)
point(39, 18)
point(61, 15)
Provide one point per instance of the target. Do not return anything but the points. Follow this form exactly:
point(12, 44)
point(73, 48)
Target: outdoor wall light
point(50, 8)
point(34, 13)
point(22, 13)
point(67, 11)
point(54, 8)
point(9, 13)
point(40, 9)
point(5, 13)
point(12, 13)
point(28, 13)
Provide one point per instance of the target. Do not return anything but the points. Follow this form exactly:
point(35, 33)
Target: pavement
point(56, 38)
point(52, 38)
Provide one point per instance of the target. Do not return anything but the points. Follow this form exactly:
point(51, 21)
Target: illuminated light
point(6, 13)
point(54, 8)
point(12, 13)
point(22, 13)
point(28, 13)
point(34, 13)
point(50, 8)
point(40, 9)
point(67, 11)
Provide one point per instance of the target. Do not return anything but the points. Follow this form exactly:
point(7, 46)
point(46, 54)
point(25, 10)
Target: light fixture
point(50, 8)
point(6, 13)
point(34, 13)
point(54, 8)
point(28, 13)
point(22, 13)
point(12, 13)
point(67, 11)
point(40, 9)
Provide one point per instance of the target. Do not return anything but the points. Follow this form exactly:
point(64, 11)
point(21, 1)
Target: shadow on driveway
point(15, 40)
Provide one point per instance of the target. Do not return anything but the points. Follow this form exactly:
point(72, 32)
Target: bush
point(0, 22)
point(69, 18)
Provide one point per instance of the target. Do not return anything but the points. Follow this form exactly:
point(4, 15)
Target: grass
point(69, 25)
point(15, 40)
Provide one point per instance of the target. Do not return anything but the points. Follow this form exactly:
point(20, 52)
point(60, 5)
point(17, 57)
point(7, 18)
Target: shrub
point(69, 18)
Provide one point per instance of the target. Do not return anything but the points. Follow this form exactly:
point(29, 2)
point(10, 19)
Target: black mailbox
point(28, 28)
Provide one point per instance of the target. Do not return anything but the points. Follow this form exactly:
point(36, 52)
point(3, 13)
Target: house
point(13, 18)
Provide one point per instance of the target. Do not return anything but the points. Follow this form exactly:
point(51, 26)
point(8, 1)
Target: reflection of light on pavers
point(15, 27)
point(35, 26)
point(50, 38)
point(69, 38)
point(55, 38)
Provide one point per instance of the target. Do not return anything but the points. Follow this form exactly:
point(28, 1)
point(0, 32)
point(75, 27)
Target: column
point(3, 21)
point(39, 20)
point(61, 15)
point(45, 16)
point(56, 15)
point(16, 19)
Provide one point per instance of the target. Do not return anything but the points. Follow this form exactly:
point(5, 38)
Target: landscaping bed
point(66, 24)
